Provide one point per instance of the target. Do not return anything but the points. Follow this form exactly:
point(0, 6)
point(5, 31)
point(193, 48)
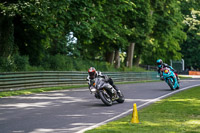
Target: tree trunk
point(117, 59)
point(129, 62)
point(110, 57)
point(137, 60)
point(6, 36)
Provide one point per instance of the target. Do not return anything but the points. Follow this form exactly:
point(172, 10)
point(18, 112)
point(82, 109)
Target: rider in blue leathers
point(161, 65)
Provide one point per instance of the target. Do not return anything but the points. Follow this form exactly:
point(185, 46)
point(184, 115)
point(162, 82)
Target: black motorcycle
point(104, 91)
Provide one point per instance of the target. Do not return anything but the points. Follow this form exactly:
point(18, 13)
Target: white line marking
point(128, 111)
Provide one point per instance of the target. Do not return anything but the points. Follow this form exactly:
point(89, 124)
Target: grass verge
point(37, 90)
point(184, 77)
point(179, 113)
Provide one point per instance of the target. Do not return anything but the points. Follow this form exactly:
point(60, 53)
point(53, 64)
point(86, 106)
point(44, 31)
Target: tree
point(99, 27)
point(6, 36)
point(6, 29)
point(111, 35)
point(167, 32)
point(140, 23)
point(144, 29)
point(190, 47)
point(38, 26)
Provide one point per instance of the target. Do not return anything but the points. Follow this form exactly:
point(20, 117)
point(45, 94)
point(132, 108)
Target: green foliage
point(29, 42)
point(21, 62)
point(40, 24)
point(140, 22)
point(7, 64)
point(6, 36)
point(65, 63)
point(55, 63)
point(191, 47)
point(14, 63)
point(40, 30)
point(167, 32)
point(98, 26)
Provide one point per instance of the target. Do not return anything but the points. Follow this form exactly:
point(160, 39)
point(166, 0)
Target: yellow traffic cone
point(135, 114)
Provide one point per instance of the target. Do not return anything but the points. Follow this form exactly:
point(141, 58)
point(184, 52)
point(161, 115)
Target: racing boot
point(178, 79)
point(118, 91)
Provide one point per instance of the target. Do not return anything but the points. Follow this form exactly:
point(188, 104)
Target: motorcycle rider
point(161, 65)
point(92, 74)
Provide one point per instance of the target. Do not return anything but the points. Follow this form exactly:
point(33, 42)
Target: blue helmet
point(159, 63)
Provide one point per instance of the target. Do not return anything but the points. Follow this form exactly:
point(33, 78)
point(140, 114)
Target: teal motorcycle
point(170, 78)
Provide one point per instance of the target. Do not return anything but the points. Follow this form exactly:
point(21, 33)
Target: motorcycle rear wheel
point(105, 98)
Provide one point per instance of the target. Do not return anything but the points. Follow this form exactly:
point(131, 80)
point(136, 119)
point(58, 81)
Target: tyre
point(178, 86)
point(105, 97)
point(121, 98)
point(170, 84)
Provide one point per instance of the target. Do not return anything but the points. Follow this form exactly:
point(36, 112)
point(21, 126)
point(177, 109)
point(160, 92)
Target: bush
point(69, 64)
point(14, 63)
point(7, 64)
point(35, 68)
point(21, 62)
point(58, 63)
point(82, 65)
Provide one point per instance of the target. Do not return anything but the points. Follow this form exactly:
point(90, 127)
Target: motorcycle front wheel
point(105, 97)
point(121, 98)
point(170, 83)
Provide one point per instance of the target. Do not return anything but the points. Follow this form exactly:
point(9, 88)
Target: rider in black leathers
point(92, 74)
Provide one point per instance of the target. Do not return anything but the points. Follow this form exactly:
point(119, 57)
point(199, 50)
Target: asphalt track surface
point(76, 110)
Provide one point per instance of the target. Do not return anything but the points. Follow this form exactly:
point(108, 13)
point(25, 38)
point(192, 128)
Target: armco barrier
point(25, 80)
